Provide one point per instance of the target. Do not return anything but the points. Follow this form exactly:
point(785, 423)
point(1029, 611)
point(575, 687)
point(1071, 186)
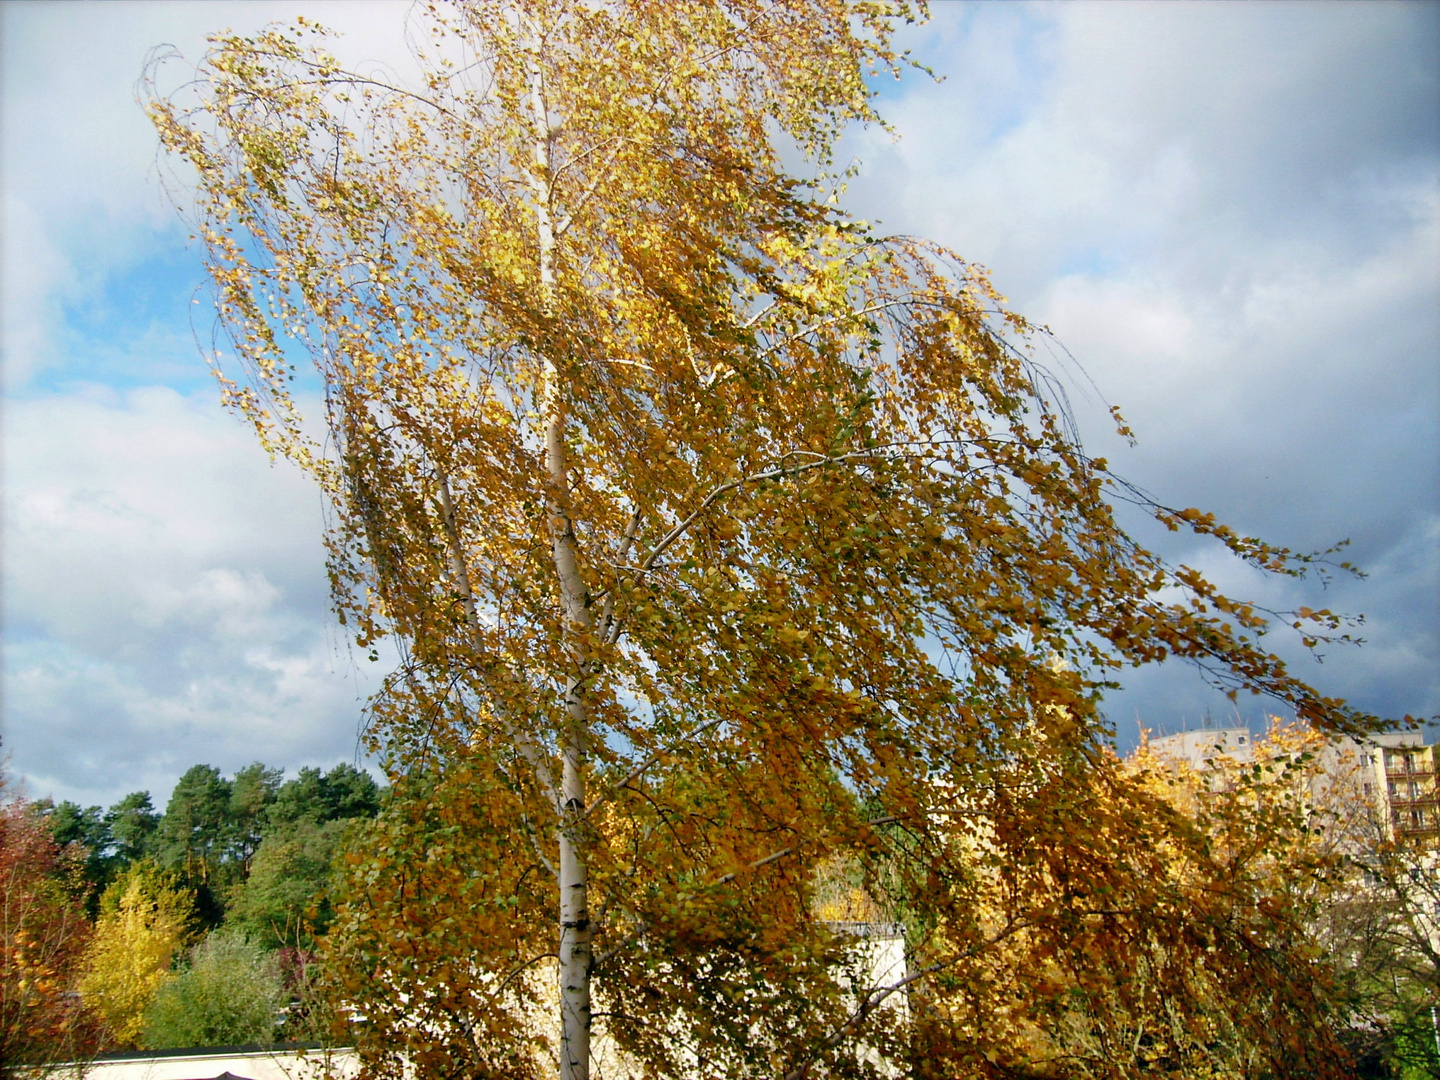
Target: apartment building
point(1403, 772)
point(1393, 773)
point(1201, 747)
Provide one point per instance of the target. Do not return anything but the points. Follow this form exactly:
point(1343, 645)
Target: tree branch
point(877, 997)
point(819, 462)
point(533, 754)
point(616, 788)
point(609, 628)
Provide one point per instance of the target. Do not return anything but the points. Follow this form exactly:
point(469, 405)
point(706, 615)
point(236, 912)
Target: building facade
point(1392, 774)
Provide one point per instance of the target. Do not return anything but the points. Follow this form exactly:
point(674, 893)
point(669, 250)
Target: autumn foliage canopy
point(730, 546)
point(43, 935)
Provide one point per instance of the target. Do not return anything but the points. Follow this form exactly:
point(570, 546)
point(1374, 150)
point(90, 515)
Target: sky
point(1228, 214)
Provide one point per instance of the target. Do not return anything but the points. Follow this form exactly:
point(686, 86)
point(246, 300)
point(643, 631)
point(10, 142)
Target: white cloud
point(83, 194)
point(1171, 133)
point(34, 268)
point(1229, 213)
point(165, 594)
point(165, 598)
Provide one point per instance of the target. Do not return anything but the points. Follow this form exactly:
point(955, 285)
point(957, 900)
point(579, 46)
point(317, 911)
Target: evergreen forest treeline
point(254, 849)
point(197, 925)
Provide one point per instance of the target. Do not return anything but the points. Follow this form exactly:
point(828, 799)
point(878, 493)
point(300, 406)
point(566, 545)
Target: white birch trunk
point(574, 877)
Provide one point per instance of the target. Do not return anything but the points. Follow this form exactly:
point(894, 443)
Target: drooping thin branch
point(534, 756)
point(582, 200)
point(635, 773)
point(877, 996)
point(644, 928)
point(725, 879)
point(495, 994)
point(609, 628)
point(819, 461)
point(539, 850)
point(858, 313)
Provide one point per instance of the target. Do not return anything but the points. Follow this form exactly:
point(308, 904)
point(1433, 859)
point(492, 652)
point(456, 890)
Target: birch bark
point(575, 928)
point(860, 617)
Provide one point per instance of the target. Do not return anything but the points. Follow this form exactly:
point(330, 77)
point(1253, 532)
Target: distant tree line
point(206, 925)
point(218, 833)
point(193, 926)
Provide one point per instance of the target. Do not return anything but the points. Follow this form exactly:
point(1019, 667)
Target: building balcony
point(1416, 830)
point(1410, 768)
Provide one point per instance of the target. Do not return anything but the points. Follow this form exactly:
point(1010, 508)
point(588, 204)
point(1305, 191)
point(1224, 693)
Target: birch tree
point(722, 536)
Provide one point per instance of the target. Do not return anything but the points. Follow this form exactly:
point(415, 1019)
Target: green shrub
point(229, 996)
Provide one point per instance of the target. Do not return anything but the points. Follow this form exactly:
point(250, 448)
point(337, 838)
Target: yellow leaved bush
point(142, 924)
